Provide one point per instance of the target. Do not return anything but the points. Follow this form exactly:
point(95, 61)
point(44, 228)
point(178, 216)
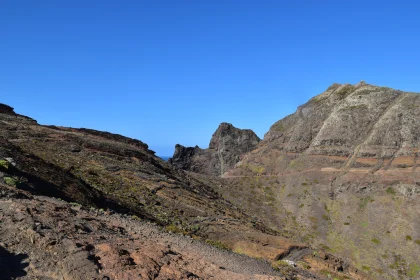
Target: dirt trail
point(327, 169)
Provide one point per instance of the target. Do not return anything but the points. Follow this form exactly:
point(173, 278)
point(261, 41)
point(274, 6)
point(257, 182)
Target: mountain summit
point(226, 146)
point(342, 173)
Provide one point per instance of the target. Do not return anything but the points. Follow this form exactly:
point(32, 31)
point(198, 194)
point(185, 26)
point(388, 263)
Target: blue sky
point(169, 72)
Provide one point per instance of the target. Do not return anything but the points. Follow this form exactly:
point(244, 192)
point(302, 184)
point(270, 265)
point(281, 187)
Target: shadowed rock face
point(6, 109)
point(226, 147)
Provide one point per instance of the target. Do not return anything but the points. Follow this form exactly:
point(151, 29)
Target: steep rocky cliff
point(226, 147)
point(342, 173)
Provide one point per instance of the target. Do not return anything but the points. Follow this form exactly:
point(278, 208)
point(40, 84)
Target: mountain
point(226, 147)
point(81, 203)
point(341, 173)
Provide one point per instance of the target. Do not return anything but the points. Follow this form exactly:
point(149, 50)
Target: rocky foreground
point(47, 238)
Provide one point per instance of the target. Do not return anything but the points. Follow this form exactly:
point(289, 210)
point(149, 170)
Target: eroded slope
point(341, 173)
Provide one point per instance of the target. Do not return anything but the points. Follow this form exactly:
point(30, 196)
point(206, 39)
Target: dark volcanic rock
point(226, 146)
point(9, 112)
point(6, 109)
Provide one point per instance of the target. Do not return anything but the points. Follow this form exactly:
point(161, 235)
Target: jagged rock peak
point(245, 137)
point(226, 147)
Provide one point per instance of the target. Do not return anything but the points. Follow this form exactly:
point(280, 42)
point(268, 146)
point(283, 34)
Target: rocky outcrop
point(226, 147)
point(6, 109)
point(8, 112)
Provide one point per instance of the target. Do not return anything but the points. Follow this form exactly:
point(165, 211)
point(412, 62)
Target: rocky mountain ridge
point(342, 173)
point(226, 147)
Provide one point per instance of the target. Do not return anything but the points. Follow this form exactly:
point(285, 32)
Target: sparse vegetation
point(346, 90)
point(376, 241)
point(282, 266)
point(364, 201)
point(10, 181)
point(218, 244)
point(364, 224)
point(390, 190)
point(174, 229)
point(74, 204)
point(4, 164)
point(413, 270)
point(278, 126)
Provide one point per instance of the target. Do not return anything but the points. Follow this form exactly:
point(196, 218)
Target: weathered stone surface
point(226, 147)
point(377, 121)
point(46, 243)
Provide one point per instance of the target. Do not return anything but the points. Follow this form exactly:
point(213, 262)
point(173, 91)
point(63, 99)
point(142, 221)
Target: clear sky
point(169, 72)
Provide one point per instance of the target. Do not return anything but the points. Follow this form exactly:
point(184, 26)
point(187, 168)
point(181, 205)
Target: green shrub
point(408, 238)
point(376, 241)
point(10, 181)
point(218, 244)
point(346, 90)
point(282, 266)
point(413, 270)
point(278, 126)
point(390, 190)
point(173, 228)
point(304, 265)
point(4, 164)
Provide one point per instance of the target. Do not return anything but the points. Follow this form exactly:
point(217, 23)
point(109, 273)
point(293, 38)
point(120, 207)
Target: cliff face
point(342, 173)
point(226, 146)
